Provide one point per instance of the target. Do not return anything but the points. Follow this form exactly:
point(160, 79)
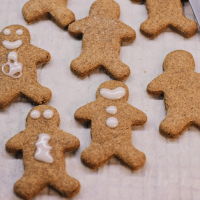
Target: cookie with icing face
point(180, 86)
point(111, 121)
point(102, 33)
point(43, 146)
point(166, 14)
point(35, 10)
point(18, 61)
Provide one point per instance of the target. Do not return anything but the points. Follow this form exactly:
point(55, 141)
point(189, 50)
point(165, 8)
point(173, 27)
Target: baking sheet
point(172, 168)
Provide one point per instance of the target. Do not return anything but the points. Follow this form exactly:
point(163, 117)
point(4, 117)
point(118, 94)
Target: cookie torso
point(181, 94)
point(164, 9)
point(30, 149)
point(100, 131)
point(101, 34)
point(50, 4)
point(27, 59)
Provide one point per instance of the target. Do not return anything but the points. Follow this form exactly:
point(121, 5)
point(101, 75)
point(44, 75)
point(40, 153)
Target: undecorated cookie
point(163, 14)
point(102, 35)
point(180, 86)
point(18, 60)
point(35, 10)
point(43, 146)
point(111, 121)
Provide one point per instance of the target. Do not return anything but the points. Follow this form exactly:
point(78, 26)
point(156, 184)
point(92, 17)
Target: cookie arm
point(68, 142)
point(155, 86)
point(15, 144)
point(127, 33)
point(76, 28)
point(138, 118)
point(84, 113)
point(40, 56)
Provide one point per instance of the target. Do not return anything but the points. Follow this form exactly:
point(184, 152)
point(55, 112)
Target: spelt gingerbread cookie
point(102, 34)
point(166, 14)
point(35, 10)
point(18, 60)
point(43, 145)
point(180, 86)
point(112, 118)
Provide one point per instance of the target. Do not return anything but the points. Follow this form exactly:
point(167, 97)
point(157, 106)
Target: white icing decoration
point(15, 67)
point(117, 93)
point(112, 122)
point(12, 45)
point(35, 114)
point(48, 114)
point(19, 32)
point(111, 110)
point(43, 149)
point(7, 31)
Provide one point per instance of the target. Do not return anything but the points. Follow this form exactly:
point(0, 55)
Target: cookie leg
point(184, 26)
point(130, 156)
point(37, 93)
point(29, 186)
point(62, 16)
point(96, 155)
point(153, 27)
point(117, 69)
point(65, 184)
point(174, 125)
point(7, 96)
point(84, 65)
point(32, 11)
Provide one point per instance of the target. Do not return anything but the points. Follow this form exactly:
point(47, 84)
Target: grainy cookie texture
point(102, 34)
point(163, 14)
point(43, 145)
point(18, 60)
point(180, 86)
point(111, 121)
point(35, 10)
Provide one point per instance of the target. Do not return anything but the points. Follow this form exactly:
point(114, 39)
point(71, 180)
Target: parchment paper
point(172, 170)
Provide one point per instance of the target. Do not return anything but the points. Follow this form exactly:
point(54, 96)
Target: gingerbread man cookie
point(43, 146)
point(166, 14)
point(102, 34)
point(35, 10)
point(18, 60)
point(180, 86)
point(112, 118)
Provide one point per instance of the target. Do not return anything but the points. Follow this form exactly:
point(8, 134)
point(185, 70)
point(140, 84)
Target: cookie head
point(178, 61)
point(113, 90)
point(14, 36)
point(107, 8)
point(43, 115)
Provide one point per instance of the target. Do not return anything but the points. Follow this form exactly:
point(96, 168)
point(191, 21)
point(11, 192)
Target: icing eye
point(35, 114)
point(7, 31)
point(19, 32)
point(48, 114)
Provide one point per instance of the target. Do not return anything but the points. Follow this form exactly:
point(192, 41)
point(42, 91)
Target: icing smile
point(12, 45)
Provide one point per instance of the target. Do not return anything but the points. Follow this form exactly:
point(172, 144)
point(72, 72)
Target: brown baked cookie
point(180, 86)
point(43, 145)
point(163, 14)
point(102, 35)
point(35, 10)
point(112, 118)
point(18, 60)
